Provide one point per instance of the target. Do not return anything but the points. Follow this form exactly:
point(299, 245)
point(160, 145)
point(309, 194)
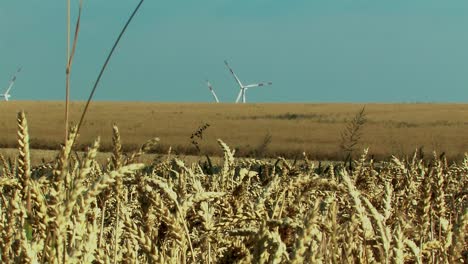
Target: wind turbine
point(212, 91)
point(7, 95)
point(243, 88)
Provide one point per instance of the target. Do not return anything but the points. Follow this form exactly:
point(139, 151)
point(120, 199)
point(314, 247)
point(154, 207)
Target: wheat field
point(391, 129)
point(78, 210)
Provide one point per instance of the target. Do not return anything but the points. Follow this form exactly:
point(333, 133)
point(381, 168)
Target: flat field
point(396, 129)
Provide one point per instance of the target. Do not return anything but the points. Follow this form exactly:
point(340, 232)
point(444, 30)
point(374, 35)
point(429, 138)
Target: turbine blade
point(12, 81)
point(232, 72)
point(215, 97)
point(258, 84)
point(212, 91)
point(9, 87)
point(209, 85)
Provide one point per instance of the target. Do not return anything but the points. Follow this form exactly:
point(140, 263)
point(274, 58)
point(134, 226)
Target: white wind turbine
point(7, 95)
point(212, 91)
point(243, 88)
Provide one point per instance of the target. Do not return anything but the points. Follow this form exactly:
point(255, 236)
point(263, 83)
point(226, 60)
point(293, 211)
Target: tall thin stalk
point(70, 60)
point(67, 73)
point(105, 65)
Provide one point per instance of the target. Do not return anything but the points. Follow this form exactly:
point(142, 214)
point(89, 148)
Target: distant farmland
point(266, 130)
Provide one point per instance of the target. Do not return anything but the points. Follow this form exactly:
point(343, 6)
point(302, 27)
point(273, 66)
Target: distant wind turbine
point(6, 95)
point(212, 91)
point(243, 88)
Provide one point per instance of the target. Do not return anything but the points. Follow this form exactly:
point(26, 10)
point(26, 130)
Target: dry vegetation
point(397, 129)
point(77, 210)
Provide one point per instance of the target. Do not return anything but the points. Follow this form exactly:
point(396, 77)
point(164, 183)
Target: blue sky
point(312, 50)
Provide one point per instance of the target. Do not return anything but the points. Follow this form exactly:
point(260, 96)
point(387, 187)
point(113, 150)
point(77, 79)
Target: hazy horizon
point(352, 51)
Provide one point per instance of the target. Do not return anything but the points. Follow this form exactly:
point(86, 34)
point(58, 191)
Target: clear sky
point(312, 50)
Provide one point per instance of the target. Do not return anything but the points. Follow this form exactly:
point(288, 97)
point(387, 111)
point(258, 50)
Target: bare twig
point(351, 135)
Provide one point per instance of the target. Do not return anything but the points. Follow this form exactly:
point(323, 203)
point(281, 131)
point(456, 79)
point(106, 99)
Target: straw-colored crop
point(76, 210)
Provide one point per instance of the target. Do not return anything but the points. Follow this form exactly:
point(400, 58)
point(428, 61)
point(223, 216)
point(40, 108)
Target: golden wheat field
point(390, 129)
point(76, 209)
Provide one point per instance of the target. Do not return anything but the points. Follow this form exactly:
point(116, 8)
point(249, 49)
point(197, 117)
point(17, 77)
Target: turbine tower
point(212, 91)
point(243, 88)
point(6, 95)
